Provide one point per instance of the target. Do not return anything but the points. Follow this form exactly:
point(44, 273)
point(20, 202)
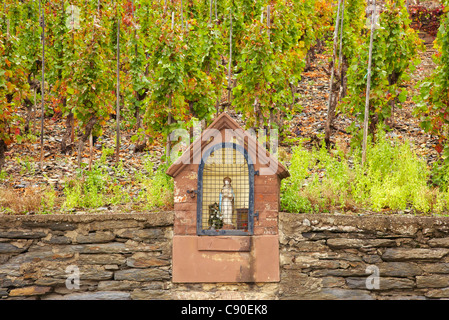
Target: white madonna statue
point(227, 201)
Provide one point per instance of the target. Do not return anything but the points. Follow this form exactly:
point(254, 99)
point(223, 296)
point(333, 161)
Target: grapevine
point(11, 80)
point(433, 102)
point(394, 52)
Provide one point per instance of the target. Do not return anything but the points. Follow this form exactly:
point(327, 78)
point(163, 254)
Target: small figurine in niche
point(215, 217)
point(227, 201)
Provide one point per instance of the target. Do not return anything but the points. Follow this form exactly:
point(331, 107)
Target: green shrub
point(440, 175)
point(73, 195)
point(88, 191)
point(290, 188)
point(48, 201)
point(103, 186)
point(318, 182)
point(158, 189)
point(393, 178)
point(96, 188)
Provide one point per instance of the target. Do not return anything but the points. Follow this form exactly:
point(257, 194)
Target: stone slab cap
point(193, 153)
point(231, 243)
point(225, 260)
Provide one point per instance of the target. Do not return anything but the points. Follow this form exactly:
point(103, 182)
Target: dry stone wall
point(114, 256)
point(128, 256)
point(364, 257)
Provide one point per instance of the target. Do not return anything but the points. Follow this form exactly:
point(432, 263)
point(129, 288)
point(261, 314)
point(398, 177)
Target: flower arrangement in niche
point(215, 216)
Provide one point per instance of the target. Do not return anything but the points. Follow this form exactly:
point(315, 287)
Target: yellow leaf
point(10, 86)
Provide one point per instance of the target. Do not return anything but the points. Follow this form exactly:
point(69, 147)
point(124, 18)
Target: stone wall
point(364, 257)
point(117, 256)
point(128, 256)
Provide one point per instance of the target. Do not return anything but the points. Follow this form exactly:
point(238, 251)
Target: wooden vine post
point(267, 144)
point(91, 143)
point(169, 117)
point(137, 111)
point(70, 121)
point(368, 85)
point(340, 60)
point(230, 58)
point(216, 14)
point(42, 21)
point(34, 111)
point(210, 11)
point(117, 151)
point(268, 22)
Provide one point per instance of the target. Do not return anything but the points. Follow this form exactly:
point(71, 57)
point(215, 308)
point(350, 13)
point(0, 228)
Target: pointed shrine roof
point(192, 155)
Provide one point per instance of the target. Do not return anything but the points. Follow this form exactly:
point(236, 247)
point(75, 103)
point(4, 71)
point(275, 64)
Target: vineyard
point(90, 91)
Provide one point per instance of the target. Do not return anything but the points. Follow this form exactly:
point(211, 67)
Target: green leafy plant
point(92, 189)
point(89, 84)
point(392, 179)
point(12, 77)
point(158, 190)
point(86, 193)
point(290, 188)
point(270, 55)
point(73, 195)
point(27, 166)
point(440, 175)
point(48, 201)
point(433, 101)
point(165, 101)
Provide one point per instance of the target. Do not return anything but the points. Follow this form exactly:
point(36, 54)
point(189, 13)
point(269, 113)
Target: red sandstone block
point(184, 198)
point(261, 206)
point(179, 229)
point(187, 222)
point(180, 207)
point(184, 216)
point(269, 223)
point(258, 230)
point(185, 206)
point(185, 229)
point(265, 189)
point(179, 198)
point(182, 185)
point(268, 216)
point(266, 180)
point(190, 230)
point(266, 197)
point(270, 231)
point(271, 214)
point(224, 243)
point(191, 215)
point(180, 215)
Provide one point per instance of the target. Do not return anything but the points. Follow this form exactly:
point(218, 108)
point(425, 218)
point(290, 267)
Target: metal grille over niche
point(225, 188)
